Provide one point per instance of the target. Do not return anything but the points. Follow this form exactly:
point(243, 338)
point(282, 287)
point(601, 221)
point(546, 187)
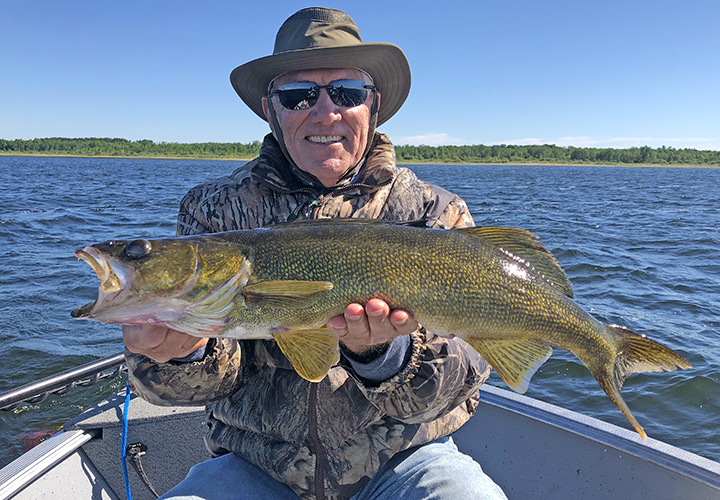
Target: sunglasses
point(304, 95)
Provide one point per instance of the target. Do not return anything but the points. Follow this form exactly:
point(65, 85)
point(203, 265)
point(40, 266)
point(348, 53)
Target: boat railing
point(64, 382)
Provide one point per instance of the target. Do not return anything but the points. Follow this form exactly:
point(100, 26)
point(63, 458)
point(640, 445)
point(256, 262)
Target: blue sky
point(583, 73)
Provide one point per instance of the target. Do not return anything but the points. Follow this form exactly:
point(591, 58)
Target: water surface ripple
point(640, 245)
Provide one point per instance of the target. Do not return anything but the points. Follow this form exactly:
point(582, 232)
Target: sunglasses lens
point(304, 95)
point(298, 95)
point(348, 93)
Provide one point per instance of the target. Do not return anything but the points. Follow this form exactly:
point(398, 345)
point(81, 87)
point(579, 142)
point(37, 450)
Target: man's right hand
point(160, 343)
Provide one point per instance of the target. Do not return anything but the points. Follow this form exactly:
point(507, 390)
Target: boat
point(532, 449)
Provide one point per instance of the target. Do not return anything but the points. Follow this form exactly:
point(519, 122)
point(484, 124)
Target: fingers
point(360, 328)
point(160, 343)
point(386, 324)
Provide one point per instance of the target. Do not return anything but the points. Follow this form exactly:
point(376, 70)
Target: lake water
point(640, 245)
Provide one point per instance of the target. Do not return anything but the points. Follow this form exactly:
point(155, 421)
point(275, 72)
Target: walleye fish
point(497, 288)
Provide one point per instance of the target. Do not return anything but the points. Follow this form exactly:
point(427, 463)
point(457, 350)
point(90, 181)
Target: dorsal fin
point(524, 247)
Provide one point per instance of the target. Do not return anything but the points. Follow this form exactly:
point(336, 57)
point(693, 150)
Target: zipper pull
point(311, 206)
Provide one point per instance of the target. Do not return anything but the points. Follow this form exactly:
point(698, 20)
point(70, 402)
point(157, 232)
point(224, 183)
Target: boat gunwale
point(676, 459)
point(28, 467)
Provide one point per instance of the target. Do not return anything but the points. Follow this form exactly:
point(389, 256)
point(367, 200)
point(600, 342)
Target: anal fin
point(311, 352)
point(516, 361)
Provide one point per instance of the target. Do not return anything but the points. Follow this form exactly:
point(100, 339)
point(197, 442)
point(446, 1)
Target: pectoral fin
point(516, 361)
point(311, 352)
point(289, 294)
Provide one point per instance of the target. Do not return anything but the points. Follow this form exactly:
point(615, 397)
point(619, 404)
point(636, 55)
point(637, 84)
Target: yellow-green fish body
point(497, 288)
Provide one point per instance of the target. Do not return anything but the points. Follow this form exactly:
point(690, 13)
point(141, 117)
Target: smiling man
point(329, 137)
point(378, 426)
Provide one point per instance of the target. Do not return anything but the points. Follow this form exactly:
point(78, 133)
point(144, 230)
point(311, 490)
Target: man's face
point(325, 140)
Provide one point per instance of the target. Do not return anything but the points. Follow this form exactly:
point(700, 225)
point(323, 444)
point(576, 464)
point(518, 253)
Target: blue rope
point(124, 438)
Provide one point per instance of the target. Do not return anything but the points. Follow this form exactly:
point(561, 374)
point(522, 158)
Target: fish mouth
point(110, 283)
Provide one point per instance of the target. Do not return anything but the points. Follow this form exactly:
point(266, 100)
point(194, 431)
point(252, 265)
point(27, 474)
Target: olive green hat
point(319, 37)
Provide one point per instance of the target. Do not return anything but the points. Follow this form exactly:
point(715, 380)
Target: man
point(377, 426)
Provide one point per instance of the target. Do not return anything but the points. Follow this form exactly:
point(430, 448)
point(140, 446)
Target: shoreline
point(225, 158)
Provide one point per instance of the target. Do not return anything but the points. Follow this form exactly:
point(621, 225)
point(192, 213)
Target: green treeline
point(93, 146)
point(549, 153)
point(546, 153)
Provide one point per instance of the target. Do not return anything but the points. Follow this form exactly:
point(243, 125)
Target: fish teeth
point(325, 139)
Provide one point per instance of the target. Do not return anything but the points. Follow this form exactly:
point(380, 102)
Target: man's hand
point(159, 343)
point(361, 328)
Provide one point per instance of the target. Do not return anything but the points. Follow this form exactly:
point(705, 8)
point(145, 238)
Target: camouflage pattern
point(266, 191)
point(333, 435)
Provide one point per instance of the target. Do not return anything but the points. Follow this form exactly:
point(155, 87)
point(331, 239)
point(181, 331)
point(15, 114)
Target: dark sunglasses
point(304, 95)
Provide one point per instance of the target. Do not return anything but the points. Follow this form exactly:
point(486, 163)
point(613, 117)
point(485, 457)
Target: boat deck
point(533, 450)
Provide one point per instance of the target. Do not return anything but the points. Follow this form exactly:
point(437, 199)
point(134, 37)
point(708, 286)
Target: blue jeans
point(436, 471)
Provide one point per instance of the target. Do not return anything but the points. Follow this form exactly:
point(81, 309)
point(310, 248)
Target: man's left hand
point(362, 328)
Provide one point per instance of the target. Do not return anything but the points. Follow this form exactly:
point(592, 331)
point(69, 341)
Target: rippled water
point(641, 246)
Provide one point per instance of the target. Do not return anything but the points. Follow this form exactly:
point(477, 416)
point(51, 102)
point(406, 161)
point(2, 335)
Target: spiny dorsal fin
point(289, 294)
point(311, 352)
point(524, 247)
point(516, 361)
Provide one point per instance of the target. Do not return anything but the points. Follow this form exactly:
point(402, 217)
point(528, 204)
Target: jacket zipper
point(316, 444)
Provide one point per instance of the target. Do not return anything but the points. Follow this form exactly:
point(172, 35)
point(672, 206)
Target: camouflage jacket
point(333, 435)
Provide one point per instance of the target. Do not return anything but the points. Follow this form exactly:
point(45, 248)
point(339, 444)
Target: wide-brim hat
point(319, 37)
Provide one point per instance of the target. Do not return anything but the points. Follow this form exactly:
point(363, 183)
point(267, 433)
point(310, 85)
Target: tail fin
point(640, 354)
point(636, 354)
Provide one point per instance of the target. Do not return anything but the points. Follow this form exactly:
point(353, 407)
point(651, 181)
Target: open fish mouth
point(110, 283)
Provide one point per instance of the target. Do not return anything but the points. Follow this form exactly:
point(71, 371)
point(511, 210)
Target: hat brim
point(385, 62)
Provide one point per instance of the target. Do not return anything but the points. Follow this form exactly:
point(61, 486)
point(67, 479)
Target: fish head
point(162, 281)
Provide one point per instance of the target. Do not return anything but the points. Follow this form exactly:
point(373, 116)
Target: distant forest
point(479, 154)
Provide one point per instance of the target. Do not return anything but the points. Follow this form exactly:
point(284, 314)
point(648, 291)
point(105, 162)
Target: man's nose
point(325, 110)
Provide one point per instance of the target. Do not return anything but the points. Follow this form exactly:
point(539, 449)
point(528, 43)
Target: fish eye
point(137, 249)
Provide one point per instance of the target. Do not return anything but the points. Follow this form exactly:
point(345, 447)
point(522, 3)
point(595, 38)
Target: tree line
point(93, 146)
point(547, 153)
